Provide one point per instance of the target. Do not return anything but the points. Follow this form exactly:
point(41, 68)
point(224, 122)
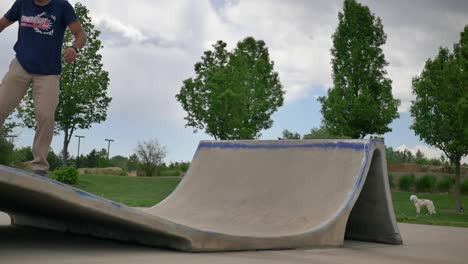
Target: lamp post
point(78, 154)
point(108, 146)
point(79, 143)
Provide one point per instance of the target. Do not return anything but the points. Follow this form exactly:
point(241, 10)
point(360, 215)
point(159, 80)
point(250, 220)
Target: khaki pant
point(45, 89)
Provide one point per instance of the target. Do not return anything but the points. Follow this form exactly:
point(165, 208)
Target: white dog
point(421, 203)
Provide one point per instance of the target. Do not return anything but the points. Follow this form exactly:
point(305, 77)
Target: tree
point(119, 161)
point(322, 133)
point(6, 153)
point(361, 101)
point(290, 135)
point(102, 161)
point(133, 163)
point(83, 87)
point(24, 154)
point(7, 156)
point(151, 155)
point(95, 159)
point(234, 93)
point(54, 161)
point(419, 158)
point(440, 110)
point(8, 127)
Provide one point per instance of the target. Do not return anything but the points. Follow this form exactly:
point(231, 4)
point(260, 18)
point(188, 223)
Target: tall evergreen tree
point(83, 87)
point(361, 101)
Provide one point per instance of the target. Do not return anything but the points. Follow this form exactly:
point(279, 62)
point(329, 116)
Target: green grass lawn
point(445, 204)
point(145, 192)
point(131, 191)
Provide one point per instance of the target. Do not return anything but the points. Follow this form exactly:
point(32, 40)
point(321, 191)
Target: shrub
point(67, 175)
point(464, 187)
point(445, 184)
point(391, 181)
point(406, 182)
point(426, 183)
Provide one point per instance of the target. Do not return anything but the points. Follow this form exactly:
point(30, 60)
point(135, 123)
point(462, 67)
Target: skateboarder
point(38, 61)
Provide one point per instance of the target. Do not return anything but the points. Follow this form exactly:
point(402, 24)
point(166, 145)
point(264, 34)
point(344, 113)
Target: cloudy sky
point(150, 47)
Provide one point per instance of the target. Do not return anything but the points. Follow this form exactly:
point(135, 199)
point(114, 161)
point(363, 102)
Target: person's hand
point(69, 56)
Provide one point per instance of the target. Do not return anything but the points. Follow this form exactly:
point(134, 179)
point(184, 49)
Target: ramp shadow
point(370, 219)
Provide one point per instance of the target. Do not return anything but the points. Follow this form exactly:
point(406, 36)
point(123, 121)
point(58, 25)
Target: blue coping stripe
point(326, 145)
point(361, 175)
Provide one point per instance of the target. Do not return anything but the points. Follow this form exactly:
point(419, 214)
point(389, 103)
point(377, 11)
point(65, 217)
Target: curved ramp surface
point(237, 195)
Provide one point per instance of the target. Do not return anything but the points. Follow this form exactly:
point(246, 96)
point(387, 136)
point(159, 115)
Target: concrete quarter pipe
point(237, 195)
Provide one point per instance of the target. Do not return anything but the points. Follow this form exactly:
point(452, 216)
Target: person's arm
point(4, 23)
point(71, 53)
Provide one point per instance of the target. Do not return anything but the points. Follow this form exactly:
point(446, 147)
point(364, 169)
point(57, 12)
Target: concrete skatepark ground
point(423, 244)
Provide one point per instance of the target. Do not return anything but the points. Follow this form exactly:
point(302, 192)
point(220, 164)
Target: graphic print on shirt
point(42, 23)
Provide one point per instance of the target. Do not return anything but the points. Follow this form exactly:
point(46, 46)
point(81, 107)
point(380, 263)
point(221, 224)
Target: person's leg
point(13, 88)
point(46, 98)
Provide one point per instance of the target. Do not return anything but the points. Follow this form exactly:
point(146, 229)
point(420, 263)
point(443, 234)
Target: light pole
point(79, 143)
point(78, 154)
point(108, 146)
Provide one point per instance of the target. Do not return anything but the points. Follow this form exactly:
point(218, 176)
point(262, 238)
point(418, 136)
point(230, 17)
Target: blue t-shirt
point(40, 35)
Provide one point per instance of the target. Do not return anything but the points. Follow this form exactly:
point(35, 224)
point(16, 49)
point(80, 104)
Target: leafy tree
point(83, 87)
point(54, 161)
point(151, 155)
point(133, 163)
point(405, 156)
point(322, 133)
point(24, 154)
point(6, 153)
point(290, 135)
point(119, 161)
point(361, 101)
point(440, 110)
point(419, 157)
point(234, 93)
point(95, 159)
point(91, 160)
point(184, 166)
point(8, 126)
point(396, 156)
point(102, 161)
point(6, 147)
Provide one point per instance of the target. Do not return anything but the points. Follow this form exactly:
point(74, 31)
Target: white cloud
point(298, 34)
point(298, 47)
point(115, 27)
point(144, 82)
point(298, 38)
